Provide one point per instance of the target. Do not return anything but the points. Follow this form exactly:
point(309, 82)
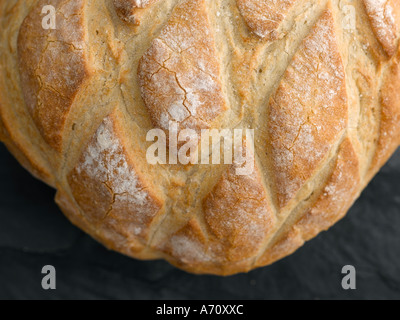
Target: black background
point(34, 233)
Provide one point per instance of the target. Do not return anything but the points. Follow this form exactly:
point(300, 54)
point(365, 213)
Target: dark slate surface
point(34, 233)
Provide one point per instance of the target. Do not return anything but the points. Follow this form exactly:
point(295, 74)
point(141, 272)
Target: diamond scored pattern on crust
point(180, 80)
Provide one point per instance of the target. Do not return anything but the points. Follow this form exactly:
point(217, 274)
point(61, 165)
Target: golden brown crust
point(36, 168)
point(338, 194)
point(389, 133)
point(108, 187)
point(323, 100)
point(298, 116)
point(191, 250)
point(131, 11)
point(238, 213)
point(105, 234)
point(265, 17)
point(53, 65)
point(385, 16)
point(238, 218)
point(179, 75)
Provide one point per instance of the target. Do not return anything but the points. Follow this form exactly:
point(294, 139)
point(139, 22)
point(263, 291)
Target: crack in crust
point(305, 123)
point(108, 187)
point(53, 66)
point(179, 75)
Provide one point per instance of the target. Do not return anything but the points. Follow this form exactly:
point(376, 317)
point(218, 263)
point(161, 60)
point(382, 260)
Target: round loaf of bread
point(82, 83)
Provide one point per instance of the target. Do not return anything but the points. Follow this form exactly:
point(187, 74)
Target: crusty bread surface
point(318, 81)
